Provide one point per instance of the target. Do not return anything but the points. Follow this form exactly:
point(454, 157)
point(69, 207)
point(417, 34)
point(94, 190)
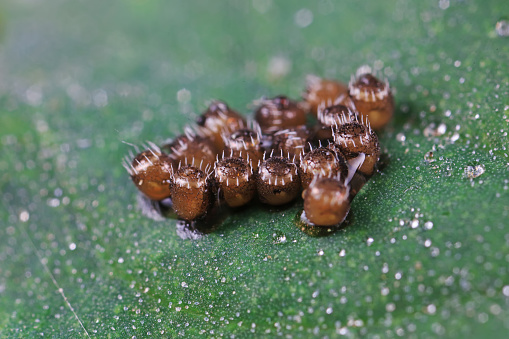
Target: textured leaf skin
point(69, 212)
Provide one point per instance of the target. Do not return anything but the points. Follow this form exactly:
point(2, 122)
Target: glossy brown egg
point(245, 143)
point(278, 181)
point(217, 120)
point(322, 162)
point(192, 192)
point(355, 138)
point(151, 172)
point(323, 92)
point(235, 180)
point(292, 142)
point(332, 116)
point(326, 201)
point(193, 150)
point(372, 98)
point(279, 113)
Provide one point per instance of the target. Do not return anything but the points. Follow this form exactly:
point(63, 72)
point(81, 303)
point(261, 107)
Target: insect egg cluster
point(322, 148)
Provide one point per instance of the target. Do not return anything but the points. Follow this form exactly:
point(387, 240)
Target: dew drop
point(24, 216)
point(400, 137)
point(474, 171)
point(431, 309)
point(502, 28)
point(303, 18)
point(414, 223)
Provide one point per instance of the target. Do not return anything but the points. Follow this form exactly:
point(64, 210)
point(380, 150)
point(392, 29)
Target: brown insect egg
point(326, 201)
point(279, 113)
point(235, 180)
point(322, 162)
point(322, 92)
point(191, 191)
point(345, 100)
point(219, 119)
point(330, 116)
point(372, 97)
point(245, 143)
point(150, 171)
point(354, 139)
point(277, 181)
point(190, 149)
point(292, 142)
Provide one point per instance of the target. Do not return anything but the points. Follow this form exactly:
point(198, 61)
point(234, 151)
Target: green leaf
point(425, 253)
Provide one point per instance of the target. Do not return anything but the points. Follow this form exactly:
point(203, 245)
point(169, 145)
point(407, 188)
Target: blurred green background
point(427, 248)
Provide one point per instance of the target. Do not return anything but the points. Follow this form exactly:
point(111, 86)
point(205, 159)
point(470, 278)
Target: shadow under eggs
point(155, 210)
point(209, 223)
point(162, 210)
point(315, 231)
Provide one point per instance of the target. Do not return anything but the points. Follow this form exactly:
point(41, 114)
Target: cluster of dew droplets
point(225, 160)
